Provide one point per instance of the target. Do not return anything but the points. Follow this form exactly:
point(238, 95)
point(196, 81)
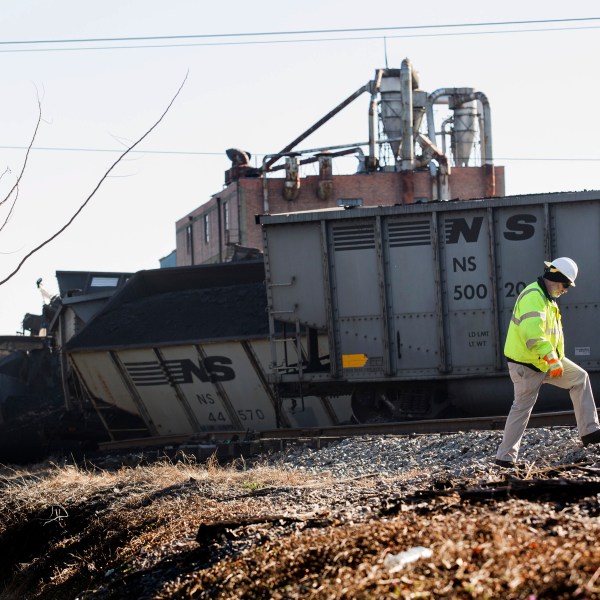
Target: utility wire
point(299, 32)
point(293, 41)
point(57, 149)
point(258, 154)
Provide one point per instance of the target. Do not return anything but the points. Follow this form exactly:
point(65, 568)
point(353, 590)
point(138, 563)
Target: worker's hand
point(556, 368)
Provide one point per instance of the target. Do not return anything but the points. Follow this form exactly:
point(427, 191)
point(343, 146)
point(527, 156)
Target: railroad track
point(229, 444)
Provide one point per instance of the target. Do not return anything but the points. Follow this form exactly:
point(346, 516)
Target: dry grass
point(71, 532)
point(64, 525)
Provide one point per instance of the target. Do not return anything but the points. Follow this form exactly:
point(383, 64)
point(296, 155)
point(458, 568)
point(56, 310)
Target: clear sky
point(257, 93)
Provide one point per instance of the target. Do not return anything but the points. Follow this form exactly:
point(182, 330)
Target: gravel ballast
point(331, 524)
point(461, 455)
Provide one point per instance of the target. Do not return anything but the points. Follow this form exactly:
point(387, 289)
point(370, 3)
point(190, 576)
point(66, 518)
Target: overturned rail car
point(414, 301)
point(185, 350)
point(31, 400)
point(35, 420)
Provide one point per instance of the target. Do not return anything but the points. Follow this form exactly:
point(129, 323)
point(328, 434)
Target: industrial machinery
point(405, 135)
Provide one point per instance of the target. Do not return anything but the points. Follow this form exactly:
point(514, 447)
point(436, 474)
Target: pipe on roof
point(466, 95)
point(407, 152)
point(442, 175)
point(274, 157)
point(371, 161)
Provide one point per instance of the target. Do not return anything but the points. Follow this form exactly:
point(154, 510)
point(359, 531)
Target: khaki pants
point(527, 384)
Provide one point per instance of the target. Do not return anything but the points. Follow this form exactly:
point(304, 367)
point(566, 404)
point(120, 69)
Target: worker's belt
point(528, 365)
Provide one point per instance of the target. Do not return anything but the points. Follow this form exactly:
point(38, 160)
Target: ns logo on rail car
point(212, 369)
point(518, 228)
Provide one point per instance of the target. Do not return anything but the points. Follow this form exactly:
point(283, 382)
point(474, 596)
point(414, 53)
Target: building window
point(226, 215)
point(206, 229)
point(349, 202)
point(188, 238)
point(104, 282)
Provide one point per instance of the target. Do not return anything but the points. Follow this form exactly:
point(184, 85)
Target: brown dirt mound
point(134, 532)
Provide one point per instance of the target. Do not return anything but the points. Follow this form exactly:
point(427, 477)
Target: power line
point(258, 154)
point(114, 151)
point(296, 41)
point(297, 32)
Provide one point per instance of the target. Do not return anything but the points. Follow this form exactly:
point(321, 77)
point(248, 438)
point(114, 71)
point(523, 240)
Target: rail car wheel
point(371, 406)
point(379, 404)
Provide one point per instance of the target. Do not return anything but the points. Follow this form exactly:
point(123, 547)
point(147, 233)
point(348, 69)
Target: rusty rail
point(279, 438)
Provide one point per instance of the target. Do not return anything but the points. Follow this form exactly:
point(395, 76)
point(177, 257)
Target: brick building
point(211, 232)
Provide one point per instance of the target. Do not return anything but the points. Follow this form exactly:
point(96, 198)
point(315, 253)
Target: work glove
point(556, 368)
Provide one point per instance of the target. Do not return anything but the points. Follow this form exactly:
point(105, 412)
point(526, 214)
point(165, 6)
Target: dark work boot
point(507, 464)
point(591, 438)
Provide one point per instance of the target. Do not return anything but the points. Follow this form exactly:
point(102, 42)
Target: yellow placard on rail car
point(353, 361)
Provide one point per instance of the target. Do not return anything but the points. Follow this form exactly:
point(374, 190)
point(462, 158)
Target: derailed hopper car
point(415, 300)
point(185, 350)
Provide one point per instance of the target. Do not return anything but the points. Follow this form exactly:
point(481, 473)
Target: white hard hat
point(566, 266)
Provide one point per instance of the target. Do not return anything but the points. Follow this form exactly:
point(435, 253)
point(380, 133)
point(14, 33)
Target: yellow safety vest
point(535, 328)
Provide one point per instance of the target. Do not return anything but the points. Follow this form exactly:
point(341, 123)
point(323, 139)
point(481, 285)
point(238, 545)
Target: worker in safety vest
point(535, 351)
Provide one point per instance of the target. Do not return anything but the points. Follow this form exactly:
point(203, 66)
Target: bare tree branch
point(18, 180)
point(100, 182)
point(10, 212)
